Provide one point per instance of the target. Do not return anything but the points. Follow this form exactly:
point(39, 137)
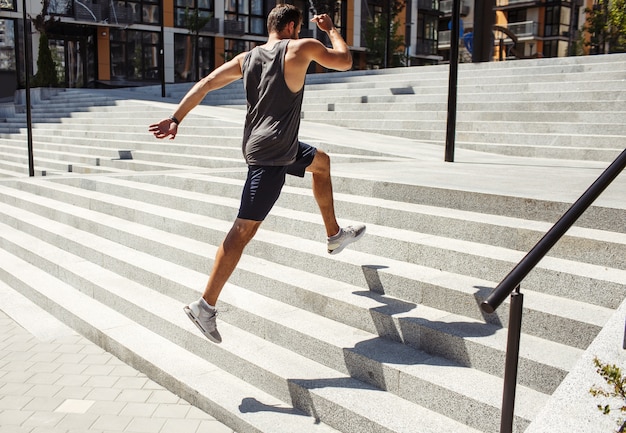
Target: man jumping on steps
point(273, 77)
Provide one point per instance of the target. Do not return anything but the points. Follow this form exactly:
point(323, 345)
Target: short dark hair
point(282, 15)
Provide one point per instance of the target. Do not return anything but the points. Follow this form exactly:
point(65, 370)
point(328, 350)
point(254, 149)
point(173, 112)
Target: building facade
point(523, 28)
point(108, 43)
point(100, 43)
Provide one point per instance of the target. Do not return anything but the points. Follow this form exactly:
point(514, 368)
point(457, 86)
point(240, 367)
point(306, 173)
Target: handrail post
point(511, 362)
point(29, 118)
point(452, 81)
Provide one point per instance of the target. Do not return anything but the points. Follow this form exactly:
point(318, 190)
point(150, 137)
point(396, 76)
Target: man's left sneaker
point(204, 317)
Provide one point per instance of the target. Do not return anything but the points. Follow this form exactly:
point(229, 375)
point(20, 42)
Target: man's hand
point(323, 22)
point(165, 128)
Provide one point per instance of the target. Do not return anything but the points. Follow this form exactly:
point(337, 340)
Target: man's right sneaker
point(345, 237)
point(204, 317)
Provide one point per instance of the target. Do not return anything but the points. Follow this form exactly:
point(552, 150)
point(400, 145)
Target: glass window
point(557, 20)
point(187, 56)
point(549, 49)
point(305, 7)
point(150, 14)
point(230, 6)
point(143, 11)
point(8, 5)
point(256, 7)
point(336, 10)
point(134, 55)
point(187, 11)
point(7, 45)
point(232, 47)
point(60, 7)
point(250, 12)
point(427, 34)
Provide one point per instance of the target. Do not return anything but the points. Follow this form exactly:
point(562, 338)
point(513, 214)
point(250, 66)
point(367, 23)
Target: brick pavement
point(59, 382)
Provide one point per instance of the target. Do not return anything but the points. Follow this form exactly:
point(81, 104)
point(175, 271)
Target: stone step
point(600, 123)
point(487, 341)
point(547, 152)
point(110, 148)
point(342, 328)
point(521, 69)
point(158, 357)
point(460, 199)
point(581, 90)
point(422, 79)
point(465, 261)
point(414, 123)
point(195, 201)
point(130, 298)
point(572, 97)
point(421, 88)
point(494, 106)
point(419, 77)
point(88, 154)
point(586, 141)
point(359, 111)
point(509, 117)
point(50, 162)
point(128, 159)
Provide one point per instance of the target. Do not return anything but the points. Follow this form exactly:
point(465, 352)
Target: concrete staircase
point(385, 337)
point(515, 108)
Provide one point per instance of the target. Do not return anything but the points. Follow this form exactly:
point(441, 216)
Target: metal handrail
point(510, 285)
point(515, 277)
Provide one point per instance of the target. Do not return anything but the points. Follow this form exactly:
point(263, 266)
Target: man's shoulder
point(306, 41)
point(304, 45)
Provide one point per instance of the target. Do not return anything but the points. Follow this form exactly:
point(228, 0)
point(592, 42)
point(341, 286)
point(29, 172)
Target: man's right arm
point(220, 77)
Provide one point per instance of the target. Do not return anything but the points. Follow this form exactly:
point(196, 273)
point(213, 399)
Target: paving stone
point(73, 386)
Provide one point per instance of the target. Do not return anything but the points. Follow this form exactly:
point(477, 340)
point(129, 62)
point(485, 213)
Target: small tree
point(612, 375)
point(606, 26)
point(381, 36)
point(194, 22)
point(46, 75)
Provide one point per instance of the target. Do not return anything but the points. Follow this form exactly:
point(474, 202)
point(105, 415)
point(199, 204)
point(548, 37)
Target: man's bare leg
point(227, 257)
point(323, 191)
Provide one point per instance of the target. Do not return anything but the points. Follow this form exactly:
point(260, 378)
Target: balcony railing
point(426, 47)
point(213, 26)
point(524, 29)
point(87, 11)
point(113, 13)
point(444, 38)
point(503, 3)
point(120, 14)
point(234, 27)
point(445, 7)
point(429, 5)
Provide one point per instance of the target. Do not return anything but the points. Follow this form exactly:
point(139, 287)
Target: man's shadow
point(367, 364)
point(252, 405)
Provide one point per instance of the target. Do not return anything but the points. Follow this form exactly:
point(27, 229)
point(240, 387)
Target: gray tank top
point(273, 114)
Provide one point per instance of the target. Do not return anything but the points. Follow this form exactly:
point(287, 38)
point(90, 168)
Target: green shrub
point(612, 375)
point(46, 75)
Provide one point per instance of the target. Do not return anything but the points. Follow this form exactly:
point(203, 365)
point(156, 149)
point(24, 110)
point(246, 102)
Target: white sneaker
point(345, 237)
point(204, 318)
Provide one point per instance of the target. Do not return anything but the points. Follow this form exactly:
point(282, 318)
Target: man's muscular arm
point(338, 57)
point(220, 77)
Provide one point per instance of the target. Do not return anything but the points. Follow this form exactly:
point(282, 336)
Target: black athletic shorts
point(265, 182)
